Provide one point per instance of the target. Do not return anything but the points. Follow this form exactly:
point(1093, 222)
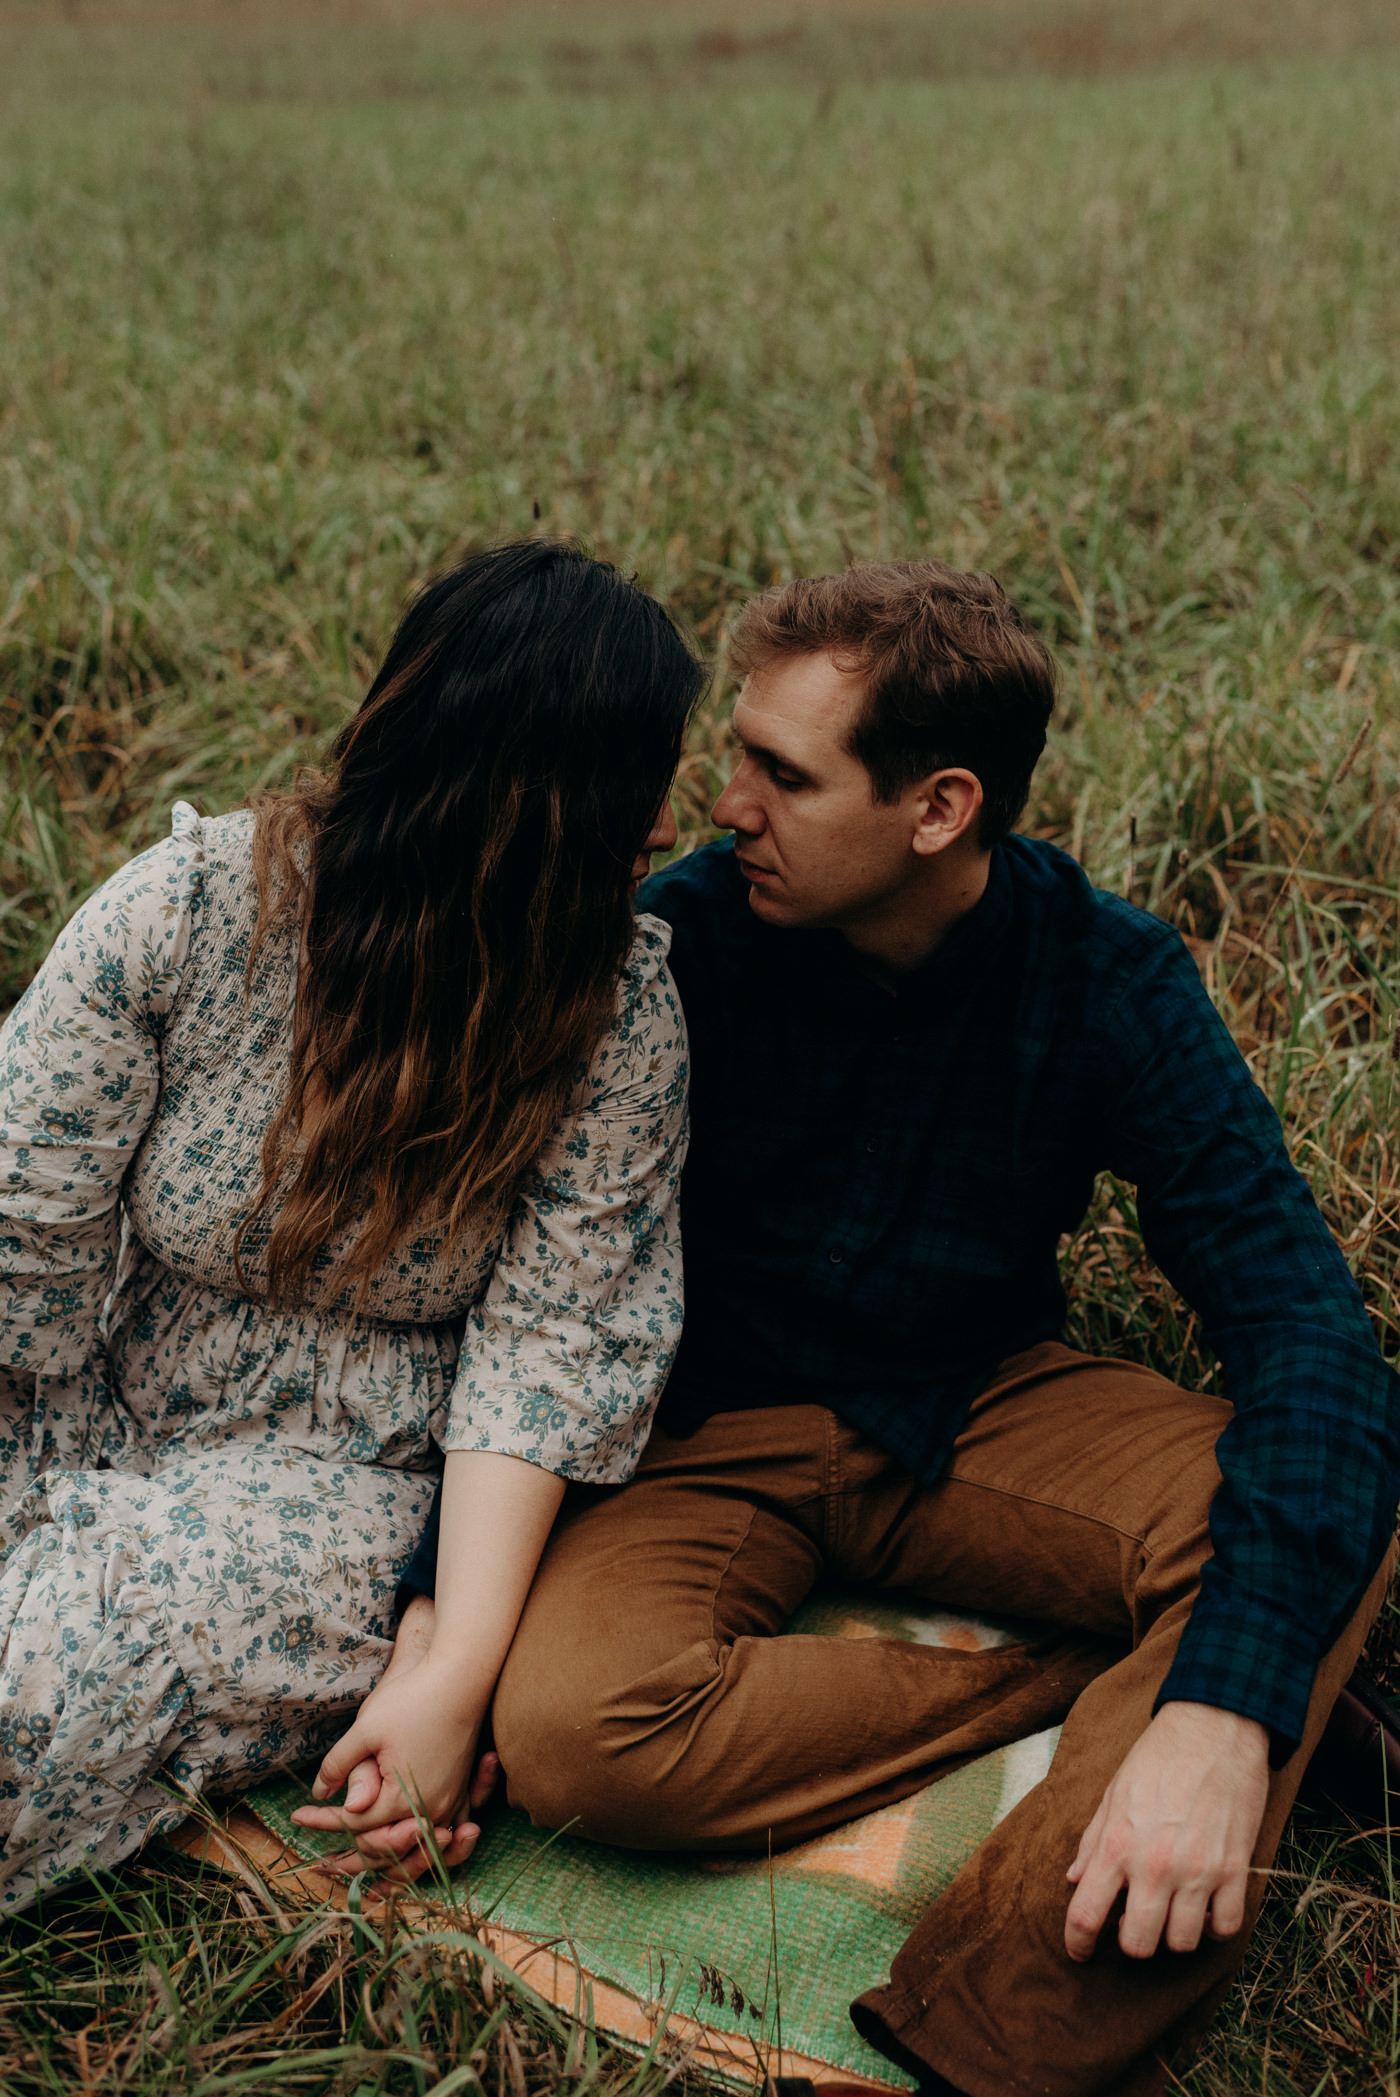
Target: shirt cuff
point(1241, 1655)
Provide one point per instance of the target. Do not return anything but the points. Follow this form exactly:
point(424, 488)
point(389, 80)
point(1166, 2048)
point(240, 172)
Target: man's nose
point(736, 808)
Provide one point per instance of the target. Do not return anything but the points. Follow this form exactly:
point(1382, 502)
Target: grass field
point(296, 305)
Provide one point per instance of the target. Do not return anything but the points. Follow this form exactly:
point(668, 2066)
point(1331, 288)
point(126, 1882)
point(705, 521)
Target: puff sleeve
point(79, 1082)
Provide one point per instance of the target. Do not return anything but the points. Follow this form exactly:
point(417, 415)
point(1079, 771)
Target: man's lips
point(752, 871)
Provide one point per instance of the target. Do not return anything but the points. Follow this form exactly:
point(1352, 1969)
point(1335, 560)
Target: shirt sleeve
point(79, 1081)
point(565, 1356)
point(1310, 1463)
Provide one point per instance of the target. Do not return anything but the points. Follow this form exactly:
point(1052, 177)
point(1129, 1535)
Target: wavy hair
point(459, 881)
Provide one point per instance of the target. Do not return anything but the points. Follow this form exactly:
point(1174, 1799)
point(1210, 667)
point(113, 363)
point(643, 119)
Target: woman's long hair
point(460, 880)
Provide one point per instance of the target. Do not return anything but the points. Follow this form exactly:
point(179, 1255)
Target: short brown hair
point(952, 674)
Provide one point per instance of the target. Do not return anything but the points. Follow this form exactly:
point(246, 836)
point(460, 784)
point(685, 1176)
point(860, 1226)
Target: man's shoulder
point(703, 890)
point(1055, 897)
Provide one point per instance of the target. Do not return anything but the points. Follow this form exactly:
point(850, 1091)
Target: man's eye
point(782, 778)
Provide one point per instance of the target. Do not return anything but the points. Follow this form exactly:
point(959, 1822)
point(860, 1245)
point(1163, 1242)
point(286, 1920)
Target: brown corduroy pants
point(650, 1697)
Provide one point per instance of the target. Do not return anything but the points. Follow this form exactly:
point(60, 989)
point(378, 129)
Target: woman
point(328, 1134)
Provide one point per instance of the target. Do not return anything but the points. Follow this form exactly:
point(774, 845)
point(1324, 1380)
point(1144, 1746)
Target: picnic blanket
point(739, 1954)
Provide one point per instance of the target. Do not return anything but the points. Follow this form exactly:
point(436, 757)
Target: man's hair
point(952, 675)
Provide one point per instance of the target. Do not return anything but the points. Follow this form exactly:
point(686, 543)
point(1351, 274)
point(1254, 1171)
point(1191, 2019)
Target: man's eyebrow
point(754, 746)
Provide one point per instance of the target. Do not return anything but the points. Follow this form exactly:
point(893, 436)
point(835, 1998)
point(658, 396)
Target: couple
point(353, 1129)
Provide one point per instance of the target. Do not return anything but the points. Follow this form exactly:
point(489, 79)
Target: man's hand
point(1177, 1828)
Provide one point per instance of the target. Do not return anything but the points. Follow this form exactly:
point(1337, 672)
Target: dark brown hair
point(952, 675)
point(459, 883)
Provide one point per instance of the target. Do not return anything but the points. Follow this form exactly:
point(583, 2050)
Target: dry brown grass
point(688, 43)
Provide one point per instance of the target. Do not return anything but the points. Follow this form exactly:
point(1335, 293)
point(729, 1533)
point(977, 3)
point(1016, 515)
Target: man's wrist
point(1213, 1721)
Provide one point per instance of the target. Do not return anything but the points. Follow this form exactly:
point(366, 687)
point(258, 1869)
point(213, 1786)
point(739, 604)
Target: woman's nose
point(664, 831)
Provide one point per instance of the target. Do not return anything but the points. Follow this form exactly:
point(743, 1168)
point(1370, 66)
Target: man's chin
point(771, 907)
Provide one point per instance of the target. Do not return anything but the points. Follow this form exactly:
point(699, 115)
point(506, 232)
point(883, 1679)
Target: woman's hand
point(409, 1757)
point(397, 1849)
point(410, 1752)
point(419, 1738)
point(411, 1643)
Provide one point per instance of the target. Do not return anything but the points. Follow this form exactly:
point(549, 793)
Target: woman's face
point(660, 838)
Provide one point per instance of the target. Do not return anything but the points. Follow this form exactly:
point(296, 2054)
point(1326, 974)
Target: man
point(916, 1040)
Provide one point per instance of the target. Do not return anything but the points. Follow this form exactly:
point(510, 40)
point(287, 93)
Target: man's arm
point(1310, 1463)
point(1310, 1466)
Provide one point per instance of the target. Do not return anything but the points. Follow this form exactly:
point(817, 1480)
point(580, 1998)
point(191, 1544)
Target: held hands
point(1176, 1828)
point(414, 1742)
point(409, 1733)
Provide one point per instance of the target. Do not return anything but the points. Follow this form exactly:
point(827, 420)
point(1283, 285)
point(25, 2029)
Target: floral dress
point(205, 1502)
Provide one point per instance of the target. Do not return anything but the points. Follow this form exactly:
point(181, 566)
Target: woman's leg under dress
point(192, 1629)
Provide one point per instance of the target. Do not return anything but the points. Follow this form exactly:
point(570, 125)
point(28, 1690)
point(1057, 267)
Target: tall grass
point(293, 315)
point(177, 1981)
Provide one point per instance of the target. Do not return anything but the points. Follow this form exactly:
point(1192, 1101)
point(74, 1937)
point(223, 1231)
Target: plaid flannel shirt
point(868, 1171)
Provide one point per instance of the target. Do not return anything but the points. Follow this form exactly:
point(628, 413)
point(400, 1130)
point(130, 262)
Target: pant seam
point(725, 1570)
point(1006, 1492)
point(833, 1494)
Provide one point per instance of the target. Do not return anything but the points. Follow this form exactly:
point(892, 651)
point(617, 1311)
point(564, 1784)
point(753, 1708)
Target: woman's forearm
point(497, 1512)
point(420, 1726)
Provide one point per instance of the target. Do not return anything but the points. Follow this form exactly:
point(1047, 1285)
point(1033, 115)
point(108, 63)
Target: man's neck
point(907, 930)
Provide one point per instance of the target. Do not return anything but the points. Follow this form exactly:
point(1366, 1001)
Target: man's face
point(813, 843)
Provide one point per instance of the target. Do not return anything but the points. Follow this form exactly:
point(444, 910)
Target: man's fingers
point(1186, 1918)
point(327, 1818)
point(1226, 1915)
point(1145, 1916)
point(464, 1841)
point(395, 1839)
point(484, 1779)
point(380, 1856)
point(1088, 1843)
point(1099, 1887)
point(454, 1846)
point(394, 1854)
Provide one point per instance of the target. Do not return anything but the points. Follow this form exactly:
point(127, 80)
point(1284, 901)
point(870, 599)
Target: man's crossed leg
point(651, 1698)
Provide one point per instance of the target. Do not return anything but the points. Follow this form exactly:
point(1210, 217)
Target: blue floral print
point(205, 1502)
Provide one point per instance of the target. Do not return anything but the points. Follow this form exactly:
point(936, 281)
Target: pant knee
point(609, 1762)
point(557, 1770)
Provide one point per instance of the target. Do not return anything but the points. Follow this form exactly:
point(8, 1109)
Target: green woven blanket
point(729, 1941)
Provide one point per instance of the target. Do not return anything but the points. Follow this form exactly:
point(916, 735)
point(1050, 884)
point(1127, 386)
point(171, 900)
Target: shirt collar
point(820, 964)
point(956, 964)
point(969, 947)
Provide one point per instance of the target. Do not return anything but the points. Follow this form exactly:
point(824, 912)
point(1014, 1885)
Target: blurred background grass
point(300, 302)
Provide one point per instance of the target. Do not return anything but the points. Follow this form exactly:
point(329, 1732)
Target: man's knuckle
point(1160, 1861)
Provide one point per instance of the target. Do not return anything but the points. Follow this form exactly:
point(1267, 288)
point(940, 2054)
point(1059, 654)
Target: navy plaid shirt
point(867, 1170)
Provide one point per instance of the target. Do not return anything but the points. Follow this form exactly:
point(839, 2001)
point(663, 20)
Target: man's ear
point(948, 804)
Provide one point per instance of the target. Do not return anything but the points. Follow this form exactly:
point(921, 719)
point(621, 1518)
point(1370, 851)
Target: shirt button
point(872, 1148)
point(835, 1258)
